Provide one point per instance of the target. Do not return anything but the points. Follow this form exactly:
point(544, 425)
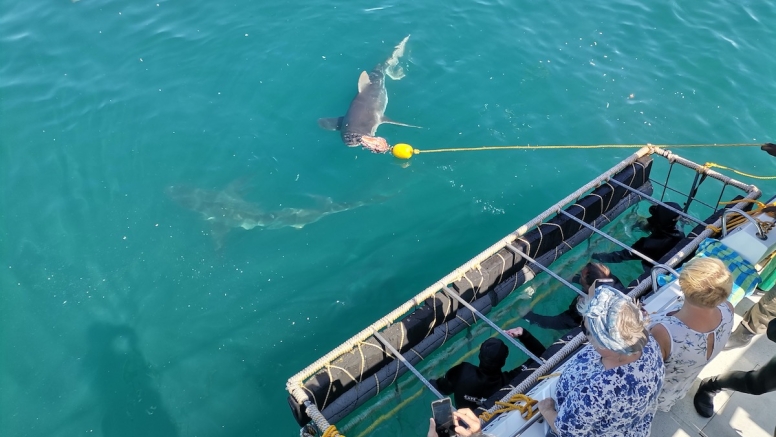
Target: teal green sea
point(123, 312)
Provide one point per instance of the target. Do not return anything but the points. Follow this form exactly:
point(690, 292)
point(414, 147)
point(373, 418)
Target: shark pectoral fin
point(389, 121)
point(217, 233)
point(330, 123)
point(363, 81)
point(297, 226)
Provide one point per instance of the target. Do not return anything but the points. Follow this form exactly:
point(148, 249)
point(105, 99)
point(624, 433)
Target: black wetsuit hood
point(662, 220)
point(493, 355)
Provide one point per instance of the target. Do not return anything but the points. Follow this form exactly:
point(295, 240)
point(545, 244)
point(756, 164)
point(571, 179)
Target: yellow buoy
point(403, 151)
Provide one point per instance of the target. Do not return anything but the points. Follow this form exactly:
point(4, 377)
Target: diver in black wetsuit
point(571, 318)
point(663, 236)
point(471, 384)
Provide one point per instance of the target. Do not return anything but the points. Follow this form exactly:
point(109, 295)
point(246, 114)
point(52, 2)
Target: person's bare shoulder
point(663, 339)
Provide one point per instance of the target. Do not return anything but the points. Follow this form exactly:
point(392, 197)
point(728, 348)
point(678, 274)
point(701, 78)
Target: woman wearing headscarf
point(610, 388)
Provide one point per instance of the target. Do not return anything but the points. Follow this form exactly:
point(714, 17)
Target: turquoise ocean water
point(122, 315)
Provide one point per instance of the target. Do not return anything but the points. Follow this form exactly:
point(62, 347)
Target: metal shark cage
point(338, 383)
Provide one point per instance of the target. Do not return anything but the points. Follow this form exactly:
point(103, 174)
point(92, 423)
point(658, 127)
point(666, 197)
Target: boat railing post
point(656, 270)
point(404, 361)
point(721, 193)
point(514, 341)
point(665, 185)
point(760, 233)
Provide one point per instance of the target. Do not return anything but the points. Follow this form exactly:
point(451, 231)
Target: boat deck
point(736, 414)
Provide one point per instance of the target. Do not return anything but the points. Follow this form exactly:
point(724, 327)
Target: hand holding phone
point(467, 423)
point(442, 411)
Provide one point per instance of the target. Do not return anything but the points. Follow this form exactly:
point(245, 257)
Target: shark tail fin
point(392, 67)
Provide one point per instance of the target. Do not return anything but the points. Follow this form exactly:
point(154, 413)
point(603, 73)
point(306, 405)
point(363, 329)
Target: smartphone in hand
point(442, 411)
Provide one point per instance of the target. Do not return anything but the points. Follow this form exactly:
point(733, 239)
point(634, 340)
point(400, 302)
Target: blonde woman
point(610, 387)
point(694, 333)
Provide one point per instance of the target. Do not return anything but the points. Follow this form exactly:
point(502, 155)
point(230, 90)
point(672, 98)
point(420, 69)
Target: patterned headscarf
point(602, 312)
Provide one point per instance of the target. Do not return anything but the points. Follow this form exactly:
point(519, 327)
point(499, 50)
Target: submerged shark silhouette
point(226, 209)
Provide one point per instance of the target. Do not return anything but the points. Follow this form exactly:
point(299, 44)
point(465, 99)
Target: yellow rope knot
point(331, 431)
point(525, 408)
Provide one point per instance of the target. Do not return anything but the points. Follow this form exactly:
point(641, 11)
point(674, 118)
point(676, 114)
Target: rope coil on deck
point(519, 402)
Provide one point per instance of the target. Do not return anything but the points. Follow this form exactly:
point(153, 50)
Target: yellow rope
point(607, 146)
point(572, 146)
point(331, 431)
point(733, 202)
point(711, 164)
point(525, 409)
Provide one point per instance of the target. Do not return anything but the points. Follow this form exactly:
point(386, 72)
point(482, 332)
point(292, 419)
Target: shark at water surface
point(367, 110)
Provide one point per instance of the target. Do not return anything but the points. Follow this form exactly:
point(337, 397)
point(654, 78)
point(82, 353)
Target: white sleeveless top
point(688, 352)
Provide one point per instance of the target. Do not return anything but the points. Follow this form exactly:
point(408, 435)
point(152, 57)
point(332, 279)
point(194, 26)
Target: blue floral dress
point(619, 402)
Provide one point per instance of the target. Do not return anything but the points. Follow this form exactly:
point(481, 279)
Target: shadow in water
point(125, 384)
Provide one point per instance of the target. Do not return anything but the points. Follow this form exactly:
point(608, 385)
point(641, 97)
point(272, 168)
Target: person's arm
point(548, 411)
point(527, 339)
point(663, 340)
point(446, 384)
point(531, 343)
point(614, 257)
point(564, 320)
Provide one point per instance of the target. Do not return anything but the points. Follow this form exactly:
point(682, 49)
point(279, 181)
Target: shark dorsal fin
point(363, 81)
point(237, 187)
